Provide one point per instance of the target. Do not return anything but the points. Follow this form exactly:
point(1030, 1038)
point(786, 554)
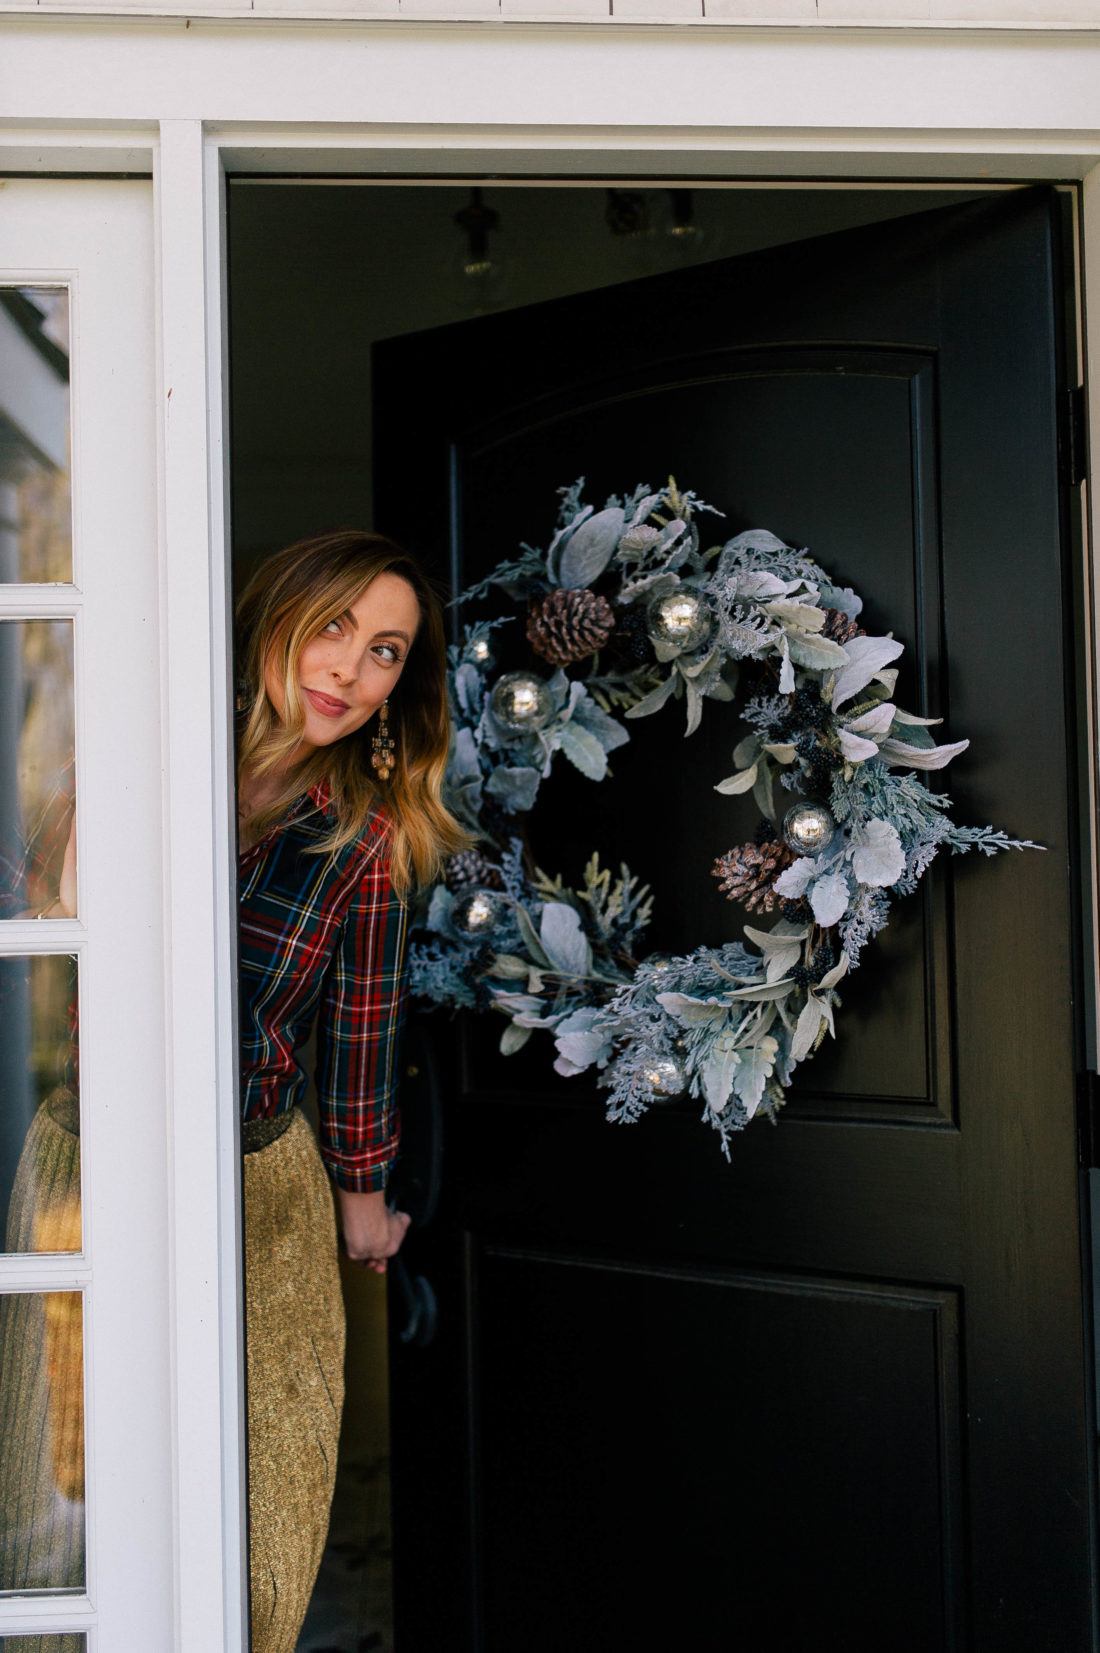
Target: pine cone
point(566, 626)
point(838, 628)
point(748, 873)
point(468, 869)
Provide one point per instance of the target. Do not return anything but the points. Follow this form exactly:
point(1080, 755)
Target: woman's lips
point(325, 703)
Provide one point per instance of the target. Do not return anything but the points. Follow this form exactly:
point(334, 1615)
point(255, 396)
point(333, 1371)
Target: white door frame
point(424, 101)
point(96, 239)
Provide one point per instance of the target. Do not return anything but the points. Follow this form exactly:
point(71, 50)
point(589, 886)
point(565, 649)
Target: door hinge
point(1074, 437)
point(1088, 1119)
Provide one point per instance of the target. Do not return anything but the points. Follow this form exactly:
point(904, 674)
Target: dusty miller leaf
point(829, 899)
point(880, 859)
point(516, 788)
point(757, 1064)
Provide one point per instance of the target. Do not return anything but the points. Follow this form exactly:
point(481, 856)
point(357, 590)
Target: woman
point(342, 750)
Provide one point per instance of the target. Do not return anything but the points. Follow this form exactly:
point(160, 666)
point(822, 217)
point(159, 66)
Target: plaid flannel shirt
point(323, 935)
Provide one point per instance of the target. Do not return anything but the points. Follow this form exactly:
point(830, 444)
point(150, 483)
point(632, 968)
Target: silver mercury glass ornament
point(682, 618)
point(808, 828)
point(477, 913)
point(479, 651)
point(520, 701)
point(666, 1076)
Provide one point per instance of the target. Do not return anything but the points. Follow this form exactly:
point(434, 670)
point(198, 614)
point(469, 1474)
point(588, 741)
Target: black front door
point(832, 1395)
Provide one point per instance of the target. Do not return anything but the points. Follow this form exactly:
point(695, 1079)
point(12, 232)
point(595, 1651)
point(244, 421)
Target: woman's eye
point(388, 653)
point(332, 629)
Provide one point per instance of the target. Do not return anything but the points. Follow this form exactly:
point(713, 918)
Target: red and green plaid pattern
point(323, 937)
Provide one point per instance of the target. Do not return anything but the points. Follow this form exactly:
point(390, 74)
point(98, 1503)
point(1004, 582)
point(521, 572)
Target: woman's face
point(349, 668)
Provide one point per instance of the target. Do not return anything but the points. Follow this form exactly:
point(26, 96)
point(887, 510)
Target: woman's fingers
point(372, 1232)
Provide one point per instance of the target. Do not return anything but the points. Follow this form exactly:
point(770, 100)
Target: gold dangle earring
point(383, 745)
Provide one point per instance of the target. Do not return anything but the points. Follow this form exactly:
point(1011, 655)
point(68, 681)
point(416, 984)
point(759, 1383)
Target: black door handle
point(420, 1313)
point(414, 1186)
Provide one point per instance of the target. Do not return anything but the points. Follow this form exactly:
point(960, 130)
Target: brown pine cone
point(566, 626)
point(468, 869)
point(838, 628)
point(748, 873)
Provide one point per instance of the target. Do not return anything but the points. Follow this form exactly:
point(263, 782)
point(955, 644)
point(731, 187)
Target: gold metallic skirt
point(42, 1379)
point(295, 1349)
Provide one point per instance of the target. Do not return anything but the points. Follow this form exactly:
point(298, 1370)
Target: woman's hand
point(372, 1232)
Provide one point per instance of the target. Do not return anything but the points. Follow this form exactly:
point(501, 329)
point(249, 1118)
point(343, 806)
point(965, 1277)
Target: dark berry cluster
point(821, 962)
point(765, 833)
point(632, 638)
point(808, 708)
point(820, 769)
point(474, 972)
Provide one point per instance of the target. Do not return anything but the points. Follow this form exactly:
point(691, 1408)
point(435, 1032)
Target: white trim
point(837, 86)
point(204, 1154)
point(585, 14)
point(100, 233)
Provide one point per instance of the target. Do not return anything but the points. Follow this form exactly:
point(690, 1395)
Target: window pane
point(35, 507)
point(36, 765)
point(74, 1642)
point(42, 1431)
point(39, 1113)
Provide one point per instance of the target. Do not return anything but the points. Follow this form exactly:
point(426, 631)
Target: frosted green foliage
point(435, 973)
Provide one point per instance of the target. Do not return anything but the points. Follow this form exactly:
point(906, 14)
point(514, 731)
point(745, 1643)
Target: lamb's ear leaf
point(902, 755)
point(806, 1029)
point(866, 657)
point(743, 782)
point(564, 940)
point(531, 937)
point(818, 654)
point(655, 699)
point(513, 1038)
point(764, 790)
point(590, 549)
point(583, 749)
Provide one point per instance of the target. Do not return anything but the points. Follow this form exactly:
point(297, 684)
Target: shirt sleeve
point(358, 1033)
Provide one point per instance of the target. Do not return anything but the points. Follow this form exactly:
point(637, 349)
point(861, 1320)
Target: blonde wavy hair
point(289, 599)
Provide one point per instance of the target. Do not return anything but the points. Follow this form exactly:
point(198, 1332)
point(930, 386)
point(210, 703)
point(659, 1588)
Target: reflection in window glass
point(42, 1430)
point(35, 507)
point(36, 769)
point(74, 1642)
point(39, 1115)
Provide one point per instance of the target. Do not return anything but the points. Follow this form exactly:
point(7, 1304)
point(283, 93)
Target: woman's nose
point(347, 666)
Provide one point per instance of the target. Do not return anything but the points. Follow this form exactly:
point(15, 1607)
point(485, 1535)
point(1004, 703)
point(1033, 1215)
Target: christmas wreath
point(630, 595)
